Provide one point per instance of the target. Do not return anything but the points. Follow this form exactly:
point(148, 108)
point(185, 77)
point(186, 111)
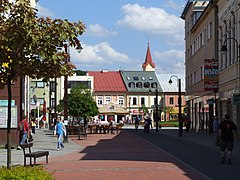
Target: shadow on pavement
point(128, 147)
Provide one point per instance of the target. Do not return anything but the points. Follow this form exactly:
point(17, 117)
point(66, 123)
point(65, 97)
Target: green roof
point(141, 81)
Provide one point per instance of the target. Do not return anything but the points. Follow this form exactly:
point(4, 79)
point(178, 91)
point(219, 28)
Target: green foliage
point(81, 103)
point(144, 109)
point(25, 173)
point(28, 46)
point(60, 106)
point(80, 73)
point(29, 43)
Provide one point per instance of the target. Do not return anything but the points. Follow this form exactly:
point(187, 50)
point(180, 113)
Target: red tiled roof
point(108, 81)
point(148, 59)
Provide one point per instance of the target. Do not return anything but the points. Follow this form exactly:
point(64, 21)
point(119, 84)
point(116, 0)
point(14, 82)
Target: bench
point(31, 154)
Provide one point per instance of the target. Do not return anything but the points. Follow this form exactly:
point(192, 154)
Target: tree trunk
point(9, 123)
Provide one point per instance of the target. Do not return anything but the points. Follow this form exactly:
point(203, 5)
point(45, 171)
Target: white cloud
point(42, 11)
point(153, 20)
point(172, 4)
point(98, 56)
point(98, 31)
point(171, 61)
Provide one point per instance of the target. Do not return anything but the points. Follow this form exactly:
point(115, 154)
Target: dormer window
point(146, 85)
point(139, 85)
point(135, 78)
point(154, 85)
point(131, 85)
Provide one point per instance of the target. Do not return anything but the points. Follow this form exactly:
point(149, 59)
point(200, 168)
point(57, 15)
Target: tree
point(81, 103)
point(80, 73)
point(169, 110)
point(60, 106)
point(28, 47)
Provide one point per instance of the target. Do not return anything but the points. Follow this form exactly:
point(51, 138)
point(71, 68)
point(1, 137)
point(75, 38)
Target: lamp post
point(66, 49)
point(225, 49)
point(156, 105)
point(180, 130)
point(66, 95)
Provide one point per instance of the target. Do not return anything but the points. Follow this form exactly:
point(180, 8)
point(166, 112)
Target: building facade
point(201, 50)
point(229, 67)
point(212, 37)
point(170, 96)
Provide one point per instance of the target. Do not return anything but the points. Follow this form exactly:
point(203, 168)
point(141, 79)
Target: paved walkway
point(114, 156)
point(119, 156)
point(43, 140)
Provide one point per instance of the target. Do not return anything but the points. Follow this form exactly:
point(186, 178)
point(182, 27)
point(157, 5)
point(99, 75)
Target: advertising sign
point(4, 115)
point(211, 75)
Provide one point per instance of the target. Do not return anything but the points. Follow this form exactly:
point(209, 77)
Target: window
point(154, 85)
point(146, 85)
point(40, 84)
point(100, 100)
point(139, 85)
point(108, 99)
point(209, 30)
point(142, 101)
point(134, 101)
point(135, 78)
point(171, 100)
point(120, 100)
point(41, 100)
point(131, 85)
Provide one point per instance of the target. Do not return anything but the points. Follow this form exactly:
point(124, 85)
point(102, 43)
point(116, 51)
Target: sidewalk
point(119, 156)
point(43, 140)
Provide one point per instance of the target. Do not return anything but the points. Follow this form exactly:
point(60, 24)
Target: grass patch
point(169, 123)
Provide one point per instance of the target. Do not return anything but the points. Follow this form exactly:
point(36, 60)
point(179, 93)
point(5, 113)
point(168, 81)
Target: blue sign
point(5, 103)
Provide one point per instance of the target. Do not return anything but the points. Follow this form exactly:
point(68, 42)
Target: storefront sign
point(211, 75)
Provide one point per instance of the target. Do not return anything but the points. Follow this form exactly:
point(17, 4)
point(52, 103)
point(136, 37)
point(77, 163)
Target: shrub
point(25, 173)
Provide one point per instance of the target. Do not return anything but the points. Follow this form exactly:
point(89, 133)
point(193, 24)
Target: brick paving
point(118, 156)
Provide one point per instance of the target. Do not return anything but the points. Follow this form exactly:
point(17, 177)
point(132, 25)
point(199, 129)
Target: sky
point(118, 32)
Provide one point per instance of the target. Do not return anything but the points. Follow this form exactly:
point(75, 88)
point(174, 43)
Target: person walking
point(147, 123)
point(215, 130)
point(137, 123)
point(23, 128)
point(226, 130)
point(33, 126)
point(187, 123)
point(59, 131)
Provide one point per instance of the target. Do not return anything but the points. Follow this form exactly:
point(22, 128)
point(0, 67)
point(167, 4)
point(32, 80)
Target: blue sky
point(118, 32)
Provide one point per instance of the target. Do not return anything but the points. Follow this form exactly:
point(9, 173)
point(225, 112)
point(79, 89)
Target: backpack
point(21, 126)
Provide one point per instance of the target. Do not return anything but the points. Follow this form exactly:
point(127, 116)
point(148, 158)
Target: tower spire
point(148, 65)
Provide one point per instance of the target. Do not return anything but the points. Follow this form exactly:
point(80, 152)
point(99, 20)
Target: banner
point(211, 75)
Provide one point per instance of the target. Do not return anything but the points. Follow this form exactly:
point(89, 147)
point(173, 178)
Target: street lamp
point(225, 49)
point(156, 107)
point(66, 49)
point(180, 130)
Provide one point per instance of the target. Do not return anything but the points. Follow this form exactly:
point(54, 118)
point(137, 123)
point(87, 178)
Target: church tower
point(148, 65)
